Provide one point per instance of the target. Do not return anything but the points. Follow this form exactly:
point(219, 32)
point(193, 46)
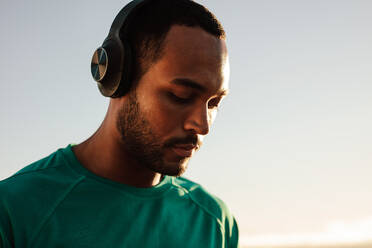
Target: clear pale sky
point(290, 151)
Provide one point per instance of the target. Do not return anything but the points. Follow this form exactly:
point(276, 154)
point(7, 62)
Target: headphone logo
point(99, 64)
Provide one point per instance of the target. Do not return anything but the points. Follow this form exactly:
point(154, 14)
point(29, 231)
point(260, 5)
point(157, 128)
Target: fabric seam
point(32, 171)
point(59, 201)
point(66, 158)
point(202, 207)
point(2, 235)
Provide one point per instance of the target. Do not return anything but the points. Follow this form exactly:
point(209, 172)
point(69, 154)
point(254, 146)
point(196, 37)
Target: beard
point(142, 143)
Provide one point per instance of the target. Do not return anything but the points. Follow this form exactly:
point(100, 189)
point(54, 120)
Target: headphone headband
point(124, 15)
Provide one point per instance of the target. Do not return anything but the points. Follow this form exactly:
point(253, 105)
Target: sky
point(290, 151)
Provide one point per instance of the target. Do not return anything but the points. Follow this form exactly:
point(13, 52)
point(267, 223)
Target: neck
point(105, 155)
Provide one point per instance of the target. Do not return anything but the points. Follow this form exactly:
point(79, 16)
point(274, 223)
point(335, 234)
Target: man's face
point(164, 120)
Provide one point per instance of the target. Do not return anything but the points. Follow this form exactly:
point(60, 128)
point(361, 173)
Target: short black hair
point(150, 25)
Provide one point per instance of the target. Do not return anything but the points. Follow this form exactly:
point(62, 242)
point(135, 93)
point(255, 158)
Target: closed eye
point(180, 100)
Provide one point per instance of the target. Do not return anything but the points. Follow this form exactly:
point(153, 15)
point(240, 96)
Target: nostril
point(198, 122)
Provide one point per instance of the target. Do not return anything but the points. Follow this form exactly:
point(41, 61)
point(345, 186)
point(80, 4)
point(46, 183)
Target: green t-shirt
point(56, 202)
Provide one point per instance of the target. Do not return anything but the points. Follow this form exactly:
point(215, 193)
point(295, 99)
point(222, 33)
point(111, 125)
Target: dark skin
point(178, 96)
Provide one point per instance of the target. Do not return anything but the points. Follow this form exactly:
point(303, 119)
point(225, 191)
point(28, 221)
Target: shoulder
point(38, 175)
point(208, 202)
point(213, 206)
point(38, 182)
point(32, 193)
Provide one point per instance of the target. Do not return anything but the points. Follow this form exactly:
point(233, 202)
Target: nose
point(198, 121)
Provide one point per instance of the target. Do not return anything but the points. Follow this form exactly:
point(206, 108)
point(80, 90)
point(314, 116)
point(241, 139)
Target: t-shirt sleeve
point(231, 227)
point(232, 233)
point(4, 243)
point(5, 230)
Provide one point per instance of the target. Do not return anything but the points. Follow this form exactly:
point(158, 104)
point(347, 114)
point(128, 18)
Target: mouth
point(184, 150)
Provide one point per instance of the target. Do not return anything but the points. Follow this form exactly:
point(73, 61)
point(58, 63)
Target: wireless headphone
point(111, 63)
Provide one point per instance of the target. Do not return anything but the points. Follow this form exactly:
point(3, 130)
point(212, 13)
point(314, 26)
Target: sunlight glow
point(336, 233)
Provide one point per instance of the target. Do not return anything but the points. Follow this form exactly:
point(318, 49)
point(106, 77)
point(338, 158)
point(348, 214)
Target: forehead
point(192, 53)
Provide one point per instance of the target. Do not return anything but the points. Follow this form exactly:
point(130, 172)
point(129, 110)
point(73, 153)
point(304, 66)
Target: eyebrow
point(185, 82)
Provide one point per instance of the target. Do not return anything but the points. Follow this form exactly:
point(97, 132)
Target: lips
point(184, 150)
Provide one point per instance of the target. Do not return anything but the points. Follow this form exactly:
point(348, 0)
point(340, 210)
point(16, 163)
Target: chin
point(173, 168)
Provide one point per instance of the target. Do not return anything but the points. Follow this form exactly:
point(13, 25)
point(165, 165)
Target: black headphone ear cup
point(111, 67)
point(125, 82)
point(98, 65)
point(112, 62)
point(109, 81)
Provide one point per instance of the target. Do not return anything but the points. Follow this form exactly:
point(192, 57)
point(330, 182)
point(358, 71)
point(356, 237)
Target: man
point(122, 186)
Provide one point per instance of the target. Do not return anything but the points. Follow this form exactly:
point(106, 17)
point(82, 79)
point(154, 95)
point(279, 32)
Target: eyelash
point(180, 100)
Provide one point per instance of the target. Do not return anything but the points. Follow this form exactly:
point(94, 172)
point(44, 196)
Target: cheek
point(162, 118)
